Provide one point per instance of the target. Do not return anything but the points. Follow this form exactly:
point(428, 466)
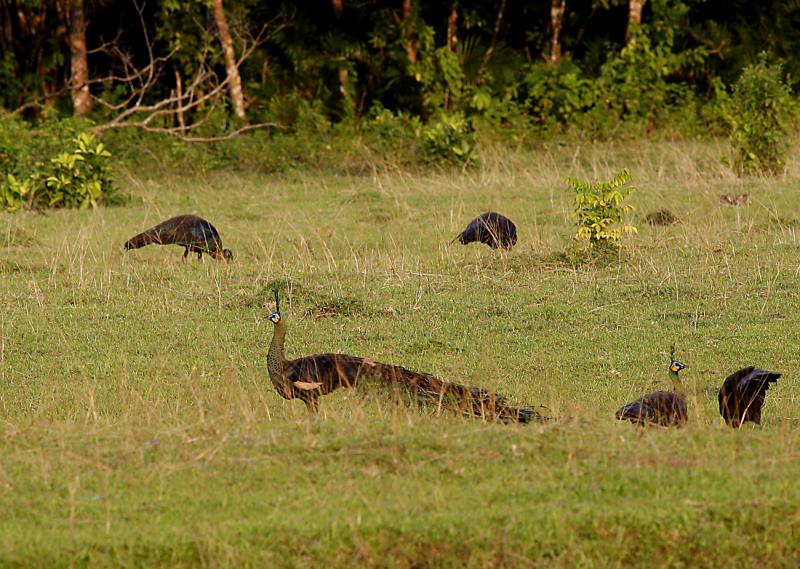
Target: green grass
point(138, 426)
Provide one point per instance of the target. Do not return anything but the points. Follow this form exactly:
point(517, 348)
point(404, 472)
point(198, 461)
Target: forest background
point(351, 84)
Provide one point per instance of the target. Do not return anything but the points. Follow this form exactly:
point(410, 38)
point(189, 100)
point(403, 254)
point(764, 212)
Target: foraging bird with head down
point(309, 377)
point(665, 408)
point(742, 395)
point(193, 233)
point(491, 228)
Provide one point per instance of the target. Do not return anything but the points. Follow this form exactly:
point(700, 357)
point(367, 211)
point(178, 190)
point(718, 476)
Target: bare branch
point(102, 48)
point(177, 133)
point(232, 134)
point(187, 106)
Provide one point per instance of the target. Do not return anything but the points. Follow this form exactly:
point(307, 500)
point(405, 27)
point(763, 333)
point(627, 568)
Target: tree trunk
point(411, 48)
point(234, 81)
point(337, 7)
point(79, 63)
point(8, 30)
point(498, 21)
point(634, 19)
point(557, 8)
point(452, 29)
point(179, 90)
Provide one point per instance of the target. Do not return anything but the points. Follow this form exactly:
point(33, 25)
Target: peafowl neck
point(276, 359)
point(677, 385)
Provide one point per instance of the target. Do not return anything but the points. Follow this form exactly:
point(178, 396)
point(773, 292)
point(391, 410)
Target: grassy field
point(138, 426)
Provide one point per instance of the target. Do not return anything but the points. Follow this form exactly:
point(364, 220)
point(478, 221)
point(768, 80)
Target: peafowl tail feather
point(430, 391)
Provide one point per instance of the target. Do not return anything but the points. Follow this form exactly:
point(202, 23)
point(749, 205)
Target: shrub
point(508, 123)
point(759, 113)
point(636, 91)
point(644, 81)
point(23, 144)
point(14, 193)
point(448, 140)
point(558, 93)
point(600, 208)
point(392, 136)
point(79, 177)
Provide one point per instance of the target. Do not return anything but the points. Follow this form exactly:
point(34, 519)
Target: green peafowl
point(309, 377)
point(193, 233)
point(742, 395)
point(492, 228)
point(665, 408)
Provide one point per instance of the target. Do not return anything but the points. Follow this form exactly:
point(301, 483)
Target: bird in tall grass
point(665, 408)
point(742, 395)
point(491, 228)
point(191, 232)
point(310, 377)
point(734, 200)
point(661, 216)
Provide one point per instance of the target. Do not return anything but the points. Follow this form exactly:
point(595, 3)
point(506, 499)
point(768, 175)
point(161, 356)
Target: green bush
point(14, 193)
point(636, 91)
point(36, 171)
point(449, 140)
point(508, 123)
point(391, 136)
point(557, 94)
point(760, 113)
point(78, 179)
point(600, 208)
point(25, 146)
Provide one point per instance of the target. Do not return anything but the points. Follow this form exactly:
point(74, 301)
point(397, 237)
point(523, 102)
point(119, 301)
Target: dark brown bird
point(309, 377)
point(665, 408)
point(193, 233)
point(661, 216)
point(492, 228)
point(742, 395)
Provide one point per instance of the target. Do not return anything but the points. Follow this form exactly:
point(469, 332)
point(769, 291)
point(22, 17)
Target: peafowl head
point(225, 254)
point(675, 366)
point(275, 317)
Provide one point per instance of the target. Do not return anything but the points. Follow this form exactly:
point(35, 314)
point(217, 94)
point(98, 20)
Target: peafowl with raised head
point(742, 395)
point(310, 377)
point(665, 408)
point(191, 232)
point(492, 228)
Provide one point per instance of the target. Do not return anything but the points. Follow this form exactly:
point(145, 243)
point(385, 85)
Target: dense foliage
point(396, 54)
point(429, 75)
point(53, 167)
point(760, 112)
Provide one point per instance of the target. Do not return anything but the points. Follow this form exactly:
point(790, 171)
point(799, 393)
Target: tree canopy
point(349, 59)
